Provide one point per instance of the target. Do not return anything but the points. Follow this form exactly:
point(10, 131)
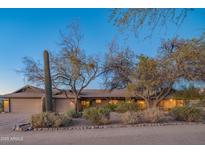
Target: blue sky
point(27, 32)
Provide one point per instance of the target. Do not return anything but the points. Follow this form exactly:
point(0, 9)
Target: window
point(98, 101)
point(85, 104)
point(141, 104)
point(114, 101)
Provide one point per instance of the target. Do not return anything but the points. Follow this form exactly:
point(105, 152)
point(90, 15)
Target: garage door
point(25, 105)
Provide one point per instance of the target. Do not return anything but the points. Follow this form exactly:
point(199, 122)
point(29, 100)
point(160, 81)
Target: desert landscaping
point(169, 134)
point(84, 90)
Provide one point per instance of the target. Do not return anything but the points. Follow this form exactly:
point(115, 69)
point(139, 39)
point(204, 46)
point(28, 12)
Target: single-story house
point(29, 99)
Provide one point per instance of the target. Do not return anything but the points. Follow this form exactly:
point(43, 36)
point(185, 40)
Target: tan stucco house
point(29, 99)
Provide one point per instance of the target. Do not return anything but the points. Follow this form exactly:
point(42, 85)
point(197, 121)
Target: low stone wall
point(23, 127)
point(27, 127)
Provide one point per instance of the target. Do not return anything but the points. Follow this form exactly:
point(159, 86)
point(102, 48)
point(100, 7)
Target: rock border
point(27, 126)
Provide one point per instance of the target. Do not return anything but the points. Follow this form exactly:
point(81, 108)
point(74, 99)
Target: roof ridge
point(28, 86)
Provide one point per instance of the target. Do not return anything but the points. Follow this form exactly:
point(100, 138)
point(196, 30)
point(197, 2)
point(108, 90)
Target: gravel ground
point(173, 134)
point(8, 120)
point(178, 134)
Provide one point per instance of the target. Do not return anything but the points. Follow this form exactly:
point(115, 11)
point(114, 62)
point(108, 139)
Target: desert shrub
point(96, 115)
point(104, 111)
point(151, 115)
point(131, 117)
point(46, 119)
point(65, 121)
point(111, 106)
point(146, 116)
point(72, 113)
point(91, 114)
point(123, 107)
point(187, 113)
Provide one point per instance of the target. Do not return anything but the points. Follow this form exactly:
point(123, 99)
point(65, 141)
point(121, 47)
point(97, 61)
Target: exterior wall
point(171, 103)
point(25, 105)
point(1, 101)
point(165, 104)
point(63, 105)
point(192, 102)
point(104, 101)
point(95, 102)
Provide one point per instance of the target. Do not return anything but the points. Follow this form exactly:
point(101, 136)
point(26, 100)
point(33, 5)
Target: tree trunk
point(147, 103)
point(156, 102)
point(48, 83)
point(150, 104)
point(77, 108)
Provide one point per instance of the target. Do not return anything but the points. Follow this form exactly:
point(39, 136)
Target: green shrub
point(146, 116)
point(112, 107)
point(104, 111)
point(72, 113)
point(126, 106)
point(96, 115)
point(186, 113)
point(92, 115)
point(1, 110)
point(46, 120)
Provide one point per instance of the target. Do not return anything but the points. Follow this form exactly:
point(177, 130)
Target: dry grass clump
point(186, 113)
point(151, 115)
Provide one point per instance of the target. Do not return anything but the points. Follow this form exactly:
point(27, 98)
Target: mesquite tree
point(75, 72)
point(143, 76)
point(139, 20)
point(48, 82)
point(70, 68)
point(118, 65)
point(152, 79)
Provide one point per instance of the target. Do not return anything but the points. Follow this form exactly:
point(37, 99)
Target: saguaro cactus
point(48, 82)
